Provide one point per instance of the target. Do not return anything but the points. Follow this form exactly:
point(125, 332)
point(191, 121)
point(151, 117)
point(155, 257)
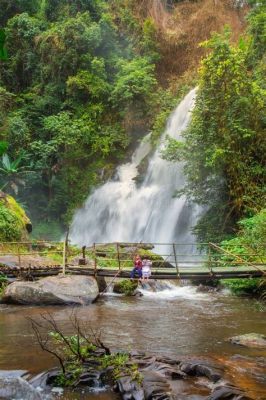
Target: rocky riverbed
point(160, 378)
point(174, 329)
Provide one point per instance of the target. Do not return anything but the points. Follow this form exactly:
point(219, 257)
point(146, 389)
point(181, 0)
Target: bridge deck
point(183, 273)
point(193, 273)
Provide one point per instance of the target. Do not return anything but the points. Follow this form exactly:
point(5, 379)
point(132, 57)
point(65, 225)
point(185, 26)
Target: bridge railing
point(166, 257)
point(26, 253)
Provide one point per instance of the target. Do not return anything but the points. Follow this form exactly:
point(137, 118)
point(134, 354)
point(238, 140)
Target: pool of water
point(177, 321)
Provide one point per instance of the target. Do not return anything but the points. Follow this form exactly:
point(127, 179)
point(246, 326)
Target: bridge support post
point(65, 251)
point(19, 257)
point(210, 259)
point(95, 260)
point(64, 258)
point(176, 263)
point(118, 256)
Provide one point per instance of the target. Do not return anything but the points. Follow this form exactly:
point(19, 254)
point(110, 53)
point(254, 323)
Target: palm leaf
point(6, 162)
point(16, 162)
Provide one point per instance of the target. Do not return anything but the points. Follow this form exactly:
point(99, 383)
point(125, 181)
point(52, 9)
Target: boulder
point(156, 385)
point(227, 392)
point(69, 289)
point(15, 225)
point(250, 340)
point(198, 368)
point(128, 389)
point(17, 388)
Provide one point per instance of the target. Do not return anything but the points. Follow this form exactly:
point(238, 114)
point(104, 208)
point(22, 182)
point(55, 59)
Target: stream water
point(178, 321)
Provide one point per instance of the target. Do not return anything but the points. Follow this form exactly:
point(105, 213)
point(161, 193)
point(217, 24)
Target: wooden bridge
point(198, 262)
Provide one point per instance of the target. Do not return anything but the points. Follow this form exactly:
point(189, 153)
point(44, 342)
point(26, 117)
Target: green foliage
point(249, 244)
point(9, 8)
point(10, 225)
point(59, 9)
point(3, 283)
point(126, 286)
point(149, 44)
point(76, 349)
point(73, 350)
point(70, 80)
point(20, 70)
point(224, 145)
point(257, 30)
point(135, 81)
point(121, 366)
point(239, 287)
point(50, 230)
point(12, 173)
point(3, 148)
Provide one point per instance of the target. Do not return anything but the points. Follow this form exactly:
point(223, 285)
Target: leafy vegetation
point(13, 220)
point(3, 284)
point(69, 85)
point(249, 246)
point(126, 286)
point(82, 82)
point(250, 239)
point(247, 287)
point(81, 354)
point(224, 148)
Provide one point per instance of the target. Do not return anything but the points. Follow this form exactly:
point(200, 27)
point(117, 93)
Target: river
point(178, 321)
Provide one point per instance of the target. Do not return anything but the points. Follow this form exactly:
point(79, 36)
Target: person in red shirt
point(137, 270)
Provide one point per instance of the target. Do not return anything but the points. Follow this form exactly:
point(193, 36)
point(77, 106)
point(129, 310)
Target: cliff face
point(181, 26)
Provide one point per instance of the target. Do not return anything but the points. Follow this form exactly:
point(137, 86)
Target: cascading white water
point(123, 211)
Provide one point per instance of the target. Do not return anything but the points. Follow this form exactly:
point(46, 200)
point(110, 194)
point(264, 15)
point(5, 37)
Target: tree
point(12, 173)
point(135, 81)
point(9, 8)
point(22, 31)
point(224, 148)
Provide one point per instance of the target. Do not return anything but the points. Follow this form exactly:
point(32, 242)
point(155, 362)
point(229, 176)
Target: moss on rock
point(126, 286)
point(14, 223)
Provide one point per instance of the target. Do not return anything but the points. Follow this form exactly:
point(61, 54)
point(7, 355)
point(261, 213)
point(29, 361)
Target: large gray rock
point(69, 289)
point(250, 340)
point(17, 388)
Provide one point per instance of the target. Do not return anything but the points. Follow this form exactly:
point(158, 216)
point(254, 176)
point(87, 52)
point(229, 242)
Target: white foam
point(184, 292)
point(122, 210)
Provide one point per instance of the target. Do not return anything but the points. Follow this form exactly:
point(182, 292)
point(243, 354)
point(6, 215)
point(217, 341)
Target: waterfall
point(122, 210)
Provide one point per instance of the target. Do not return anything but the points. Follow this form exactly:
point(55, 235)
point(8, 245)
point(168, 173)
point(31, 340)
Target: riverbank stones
point(250, 340)
point(17, 389)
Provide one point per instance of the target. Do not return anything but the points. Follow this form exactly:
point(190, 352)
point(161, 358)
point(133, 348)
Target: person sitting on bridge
point(137, 268)
point(146, 269)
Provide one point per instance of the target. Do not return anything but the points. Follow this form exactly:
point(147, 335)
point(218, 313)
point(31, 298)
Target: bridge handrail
point(222, 250)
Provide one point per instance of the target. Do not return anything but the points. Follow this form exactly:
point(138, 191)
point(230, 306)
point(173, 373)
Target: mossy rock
point(125, 286)
point(14, 223)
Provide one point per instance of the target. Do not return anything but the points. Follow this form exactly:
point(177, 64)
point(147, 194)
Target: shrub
point(10, 225)
point(241, 287)
point(126, 286)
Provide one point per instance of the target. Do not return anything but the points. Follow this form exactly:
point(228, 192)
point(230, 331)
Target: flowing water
point(177, 321)
point(122, 210)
